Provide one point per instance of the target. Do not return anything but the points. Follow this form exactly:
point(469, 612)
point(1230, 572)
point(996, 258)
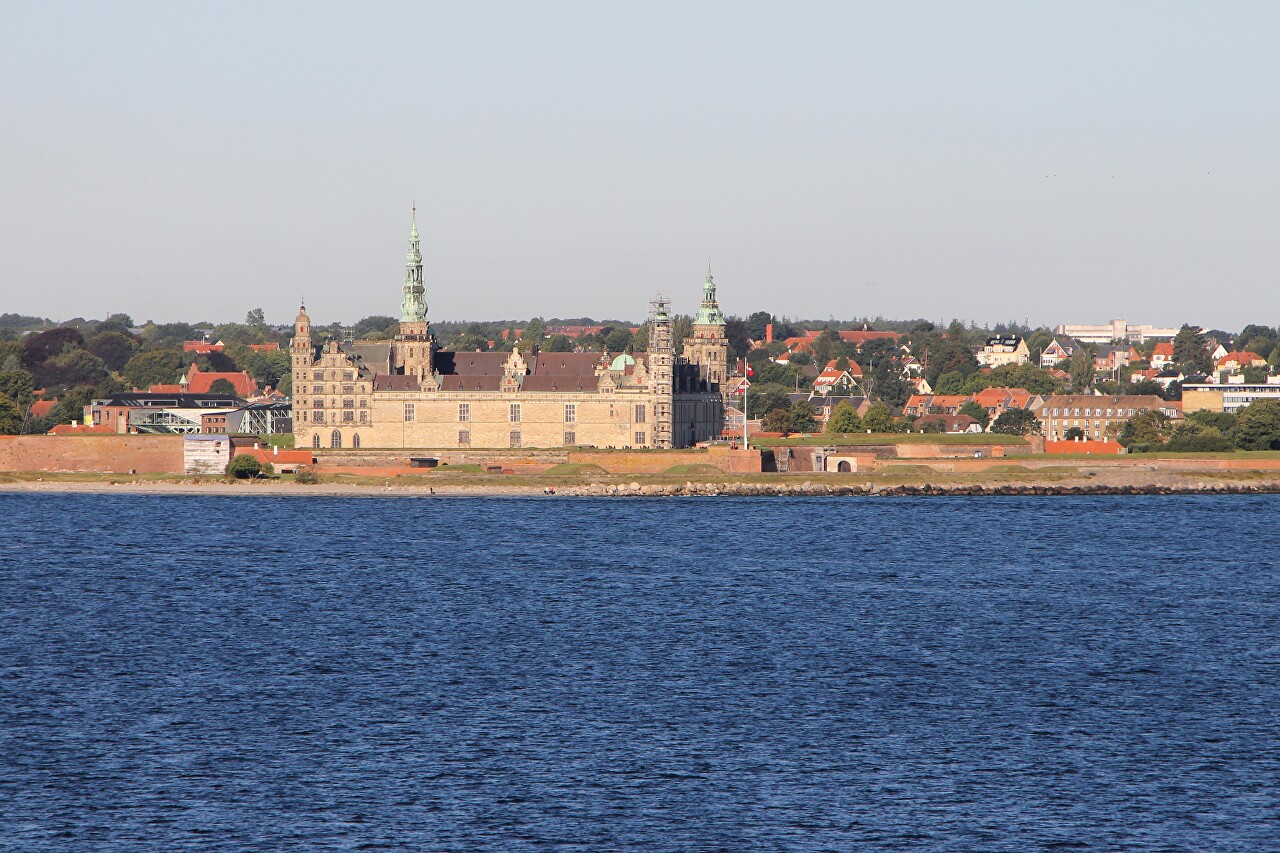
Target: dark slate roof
point(394, 382)
point(470, 363)
point(582, 384)
point(376, 354)
point(565, 364)
point(471, 382)
point(173, 401)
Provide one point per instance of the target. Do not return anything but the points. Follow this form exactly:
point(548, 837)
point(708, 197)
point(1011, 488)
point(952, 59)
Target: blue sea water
point(955, 674)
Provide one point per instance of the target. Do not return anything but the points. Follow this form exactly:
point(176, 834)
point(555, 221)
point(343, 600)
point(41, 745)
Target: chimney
point(768, 333)
point(275, 451)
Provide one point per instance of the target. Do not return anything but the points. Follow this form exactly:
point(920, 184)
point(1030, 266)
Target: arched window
point(315, 441)
point(355, 440)
point(335, 440)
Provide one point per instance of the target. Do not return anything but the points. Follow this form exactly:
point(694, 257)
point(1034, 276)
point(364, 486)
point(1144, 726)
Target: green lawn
point(845, 439)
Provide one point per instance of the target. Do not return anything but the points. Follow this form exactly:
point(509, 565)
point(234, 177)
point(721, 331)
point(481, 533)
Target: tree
point(17, 385)
point(1073, 433)
point(844, 418)
point(152, 367)
point(739, 338)
point(45, 345)
point(1195, 437)
point(1189, 350)
point(801, 418)
point(975, 410)
point(267, 367)
point(73, 367)
point(1258, 426)
point(245, 467)
point(256, 319)
point(1082, 370)
point(777, 420)
point(951, 382)
point(879, 418)
point(114, 348)
point(376, 324)
point(757, 323)
point(222, 386)
point(617, 340)
point(1145, 430)
point(559, 343)
point(1016, 422)
point(115, 323)
point(10, 417)
point(534, 332)
point(764, 398)
point(1254, 375)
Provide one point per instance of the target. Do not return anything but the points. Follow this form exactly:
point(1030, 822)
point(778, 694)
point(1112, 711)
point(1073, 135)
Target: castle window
point(348, 417)
point(348, 403)
point(409, 412)
point(364, 404)
point(347, 376)
point(303, 415)
point(315, 441)
point(464, 438)
point(464, 413)
point(515, 438)
point(317, 376)
point(514, 416)
point(640, 439)
point(364, 417)
point(355, 440)
point(317, 403)
point(317, 389)
point(570, 414)
point(640, 413)
point(570, 439)
point(348, 389)
point(335, 439)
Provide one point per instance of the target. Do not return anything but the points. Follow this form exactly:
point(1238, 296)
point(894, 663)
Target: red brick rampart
point(106, 454)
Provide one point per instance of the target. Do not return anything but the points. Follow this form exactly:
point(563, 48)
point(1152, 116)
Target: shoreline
point(1100, 483)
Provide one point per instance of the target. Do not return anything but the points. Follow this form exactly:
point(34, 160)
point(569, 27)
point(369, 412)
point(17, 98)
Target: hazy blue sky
point(1069, 162)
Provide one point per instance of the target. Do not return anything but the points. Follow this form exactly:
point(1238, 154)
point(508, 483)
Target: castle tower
point(661, 372)
point(709, 347)
point(414, 345)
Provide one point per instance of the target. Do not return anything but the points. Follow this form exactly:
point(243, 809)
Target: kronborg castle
point(408, 392)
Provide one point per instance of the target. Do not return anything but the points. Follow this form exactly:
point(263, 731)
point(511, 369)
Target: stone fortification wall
point(655, 461)
point(400, 458)
point(107, 454)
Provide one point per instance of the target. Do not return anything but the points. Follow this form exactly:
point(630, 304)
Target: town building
point(1116, 330)
point(1002, 350)
point(1060, 349)
point(408, 392)
point(1231, 397)
point(1095, 414)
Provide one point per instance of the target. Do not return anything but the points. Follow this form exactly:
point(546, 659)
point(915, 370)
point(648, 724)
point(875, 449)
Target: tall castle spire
point(413, 309)
point(709, 313)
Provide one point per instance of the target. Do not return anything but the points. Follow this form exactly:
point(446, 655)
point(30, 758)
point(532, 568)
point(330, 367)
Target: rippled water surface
point(320, 674)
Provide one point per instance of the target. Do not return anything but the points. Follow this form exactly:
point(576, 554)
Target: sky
point(1058, 162)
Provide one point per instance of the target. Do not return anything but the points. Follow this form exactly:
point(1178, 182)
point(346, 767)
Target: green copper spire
point(414, 307)
point(709, 313)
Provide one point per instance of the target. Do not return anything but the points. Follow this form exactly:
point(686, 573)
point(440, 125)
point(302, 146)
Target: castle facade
point(409, 393)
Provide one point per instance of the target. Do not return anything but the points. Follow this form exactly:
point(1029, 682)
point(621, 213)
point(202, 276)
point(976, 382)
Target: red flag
point(750, 372)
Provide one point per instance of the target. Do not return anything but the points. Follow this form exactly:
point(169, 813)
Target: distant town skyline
point(1058, 163)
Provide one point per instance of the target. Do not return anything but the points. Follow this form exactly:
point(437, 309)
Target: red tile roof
point(40, 408)
point(1165, 348)
point(91, 429)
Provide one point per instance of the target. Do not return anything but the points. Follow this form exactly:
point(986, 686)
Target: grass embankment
point(838, 439)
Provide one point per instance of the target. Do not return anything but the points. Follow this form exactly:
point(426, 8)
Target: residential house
point(833, 379)
point(824, 405)
point(1059, 350)
point(949, 423)
point(1162, 355)
point(1004, 349)
point(1234, 362)
point(196, 381)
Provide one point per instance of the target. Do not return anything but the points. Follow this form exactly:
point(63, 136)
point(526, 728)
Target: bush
point(306, 477)
point(244, 467)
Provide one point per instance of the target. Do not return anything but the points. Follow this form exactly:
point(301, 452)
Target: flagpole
point(744, 417)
